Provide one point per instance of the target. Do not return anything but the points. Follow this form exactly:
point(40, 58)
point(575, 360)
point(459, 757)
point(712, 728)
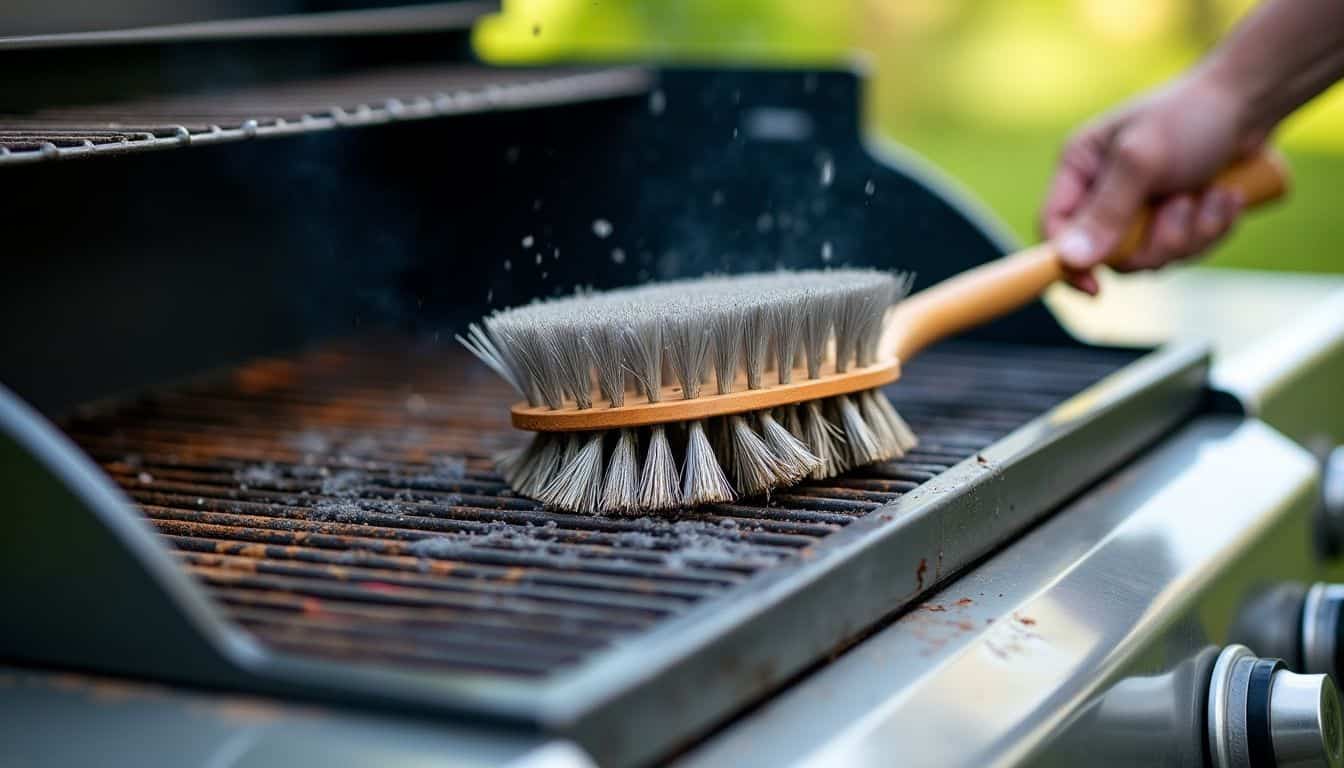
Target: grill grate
point(281, 109)
point(342, 504)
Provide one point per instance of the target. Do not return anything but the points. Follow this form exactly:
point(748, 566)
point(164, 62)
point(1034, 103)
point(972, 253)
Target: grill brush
point(718, 387)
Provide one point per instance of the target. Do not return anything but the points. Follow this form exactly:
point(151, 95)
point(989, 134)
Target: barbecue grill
point(246, 461)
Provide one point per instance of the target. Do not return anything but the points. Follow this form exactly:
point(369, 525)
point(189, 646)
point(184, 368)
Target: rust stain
point(932, 608)
point(265, 375)
point(514, 575)
point(922, 569)
point(382, 586)
point(965, 601)
point(442, 567)
point(1027, 620)
point(220, 575)
point(312, 606)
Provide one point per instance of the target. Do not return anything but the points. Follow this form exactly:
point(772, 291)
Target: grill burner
point(342, 504)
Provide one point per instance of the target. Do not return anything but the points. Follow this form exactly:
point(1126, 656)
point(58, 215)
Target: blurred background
point(986, 89)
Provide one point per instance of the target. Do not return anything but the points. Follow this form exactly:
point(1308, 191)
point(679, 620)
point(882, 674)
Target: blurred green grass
point(986, 89)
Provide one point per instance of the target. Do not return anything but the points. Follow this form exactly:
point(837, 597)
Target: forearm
point(1282, 55)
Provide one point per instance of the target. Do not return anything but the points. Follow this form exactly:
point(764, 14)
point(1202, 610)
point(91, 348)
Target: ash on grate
point(497, 535)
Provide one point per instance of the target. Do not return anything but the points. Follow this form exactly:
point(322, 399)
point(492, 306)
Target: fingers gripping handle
point(1260, 179)
point(1003, 285)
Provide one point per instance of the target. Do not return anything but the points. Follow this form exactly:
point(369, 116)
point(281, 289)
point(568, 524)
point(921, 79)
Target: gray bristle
point(534, 361)
point(874, 309)
point(818, 322)
point(824, 440)
point(702, 479)
point(554, 351)
point(621, 491)
point(572, 447)
point(574, 363)
point(850, 321)
point(793, 421)
point(786, 317)
point(485, 348)
point(623, 347)
point(688, 343)
point(727, 348)
point(538, 464)
point(578, 484)
point(737, 455)
point(862, 446)
point(643, 343)
point(604, 347)
point(793, 455)
point(659, 486)
point(905, 437)
point(876, 419)
point(755, 467)
point(756, 344)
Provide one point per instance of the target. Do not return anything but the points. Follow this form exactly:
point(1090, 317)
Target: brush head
point(638, 360)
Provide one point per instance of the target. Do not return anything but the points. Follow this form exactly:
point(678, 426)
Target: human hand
point(1161, 149)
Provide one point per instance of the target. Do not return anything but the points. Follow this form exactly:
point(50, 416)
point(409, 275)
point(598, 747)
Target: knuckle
point(1076, 151)
point(1172, 240)
point(1138, 153)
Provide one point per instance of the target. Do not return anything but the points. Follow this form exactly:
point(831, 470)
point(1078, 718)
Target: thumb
point(1123, 186)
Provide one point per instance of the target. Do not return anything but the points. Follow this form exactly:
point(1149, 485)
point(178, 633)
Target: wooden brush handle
point(1003, 285)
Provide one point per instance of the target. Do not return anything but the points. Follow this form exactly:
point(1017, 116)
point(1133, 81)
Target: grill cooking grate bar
point(343, 505)
point(283, 109)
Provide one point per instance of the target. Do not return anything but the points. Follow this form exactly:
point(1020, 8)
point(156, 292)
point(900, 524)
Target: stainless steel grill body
point(339, 508)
